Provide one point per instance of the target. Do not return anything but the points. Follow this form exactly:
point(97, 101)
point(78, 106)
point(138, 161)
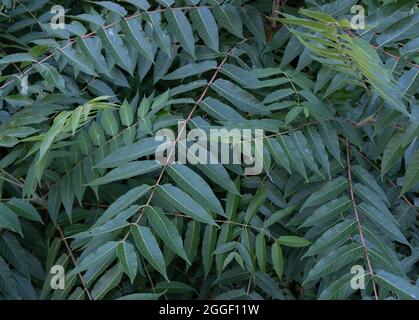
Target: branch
point(358, 221)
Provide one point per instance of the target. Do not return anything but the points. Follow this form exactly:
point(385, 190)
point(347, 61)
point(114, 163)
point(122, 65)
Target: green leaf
point(13, 252)
point(261, 251)
point(277, 259)
point(218, 174)
point(371, 198)
point(253, 22)
point(242, 99)
point(219, 110)
point(144, 108)
point(293, 114)
point(143, 147)
point(9, 285)
point(197, 187)
point(327, 192)
point(127, 256)
point(182, 29)
point(141, 296)
point(411, 46)
point(278, 215)
point(339, 290)
point(316, 107)
point(51, 76)
point(113, 44)
point(318, 148)
point(137, 37)
point(383, 222)
point(148, 248)
point(256, 202)
point(295, 158)
point(91, 48)
point(107, 282)
point(174, 287)
point(54, 203)
point(330, 139)
point(229, 18)
point(277, 95)
point(278, 153)
point(184, 203)
point(99, 267)
point(53, 132)
point(67, 195)
point(17, 57)
point(205, 25)
point(109, 123)
point(244, 77)
point(123, 202)
point(333, 237)
point(160, 35)
point(392, 153)
point(78, 60)
point(411, 176)
point(302, 145)
point(401, 287)
point(327, 211)
point(126, 114)
point(25, 209)
point(112, 6)
point(191, 69)
point(111, 225)
point(166, 230)
point(192, 240)
point(368, 180)
point(398, 29)
point(237, 294)
point(293, 241)
point(95, 256)
point(208, 247)
point(335, 261)
point(226, 247)
point(128, 170)
point(292, 50)
point(9, 220)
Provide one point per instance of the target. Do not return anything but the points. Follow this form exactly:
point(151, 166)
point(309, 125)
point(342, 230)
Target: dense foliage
point(80, 188)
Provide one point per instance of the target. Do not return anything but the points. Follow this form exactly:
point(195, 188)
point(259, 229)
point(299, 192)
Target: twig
point(366, 121)
point(73, 259)
point(275, 8)
point(358, 221)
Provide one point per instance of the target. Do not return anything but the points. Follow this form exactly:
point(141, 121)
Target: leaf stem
point(358, 221)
